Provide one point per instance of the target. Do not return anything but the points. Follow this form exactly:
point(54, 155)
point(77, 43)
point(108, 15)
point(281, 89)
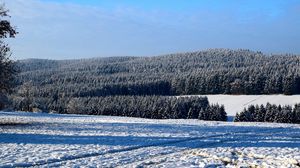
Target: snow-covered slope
point(52, 140)
point(236, 103)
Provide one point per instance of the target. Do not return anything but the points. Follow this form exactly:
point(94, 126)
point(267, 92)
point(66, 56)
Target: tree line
point(270, 113)
point(153, 107)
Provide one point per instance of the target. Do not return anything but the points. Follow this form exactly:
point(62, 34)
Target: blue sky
point(67, 29)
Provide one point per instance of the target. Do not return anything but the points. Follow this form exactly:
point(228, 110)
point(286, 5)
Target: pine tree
point(269, 113)
point(244, 116)
point(223, 114)
point(260, 117)
point(202, 115)
point(297, 113)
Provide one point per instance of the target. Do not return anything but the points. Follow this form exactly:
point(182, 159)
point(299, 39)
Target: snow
point(236, 103)
point(53, 140)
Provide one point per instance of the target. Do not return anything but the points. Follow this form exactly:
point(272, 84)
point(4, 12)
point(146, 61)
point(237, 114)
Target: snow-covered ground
point(52, 140)
point(236, 103)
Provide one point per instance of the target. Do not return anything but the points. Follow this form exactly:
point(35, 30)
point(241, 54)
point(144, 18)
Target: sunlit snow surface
point(236, 103)
point(51, 140)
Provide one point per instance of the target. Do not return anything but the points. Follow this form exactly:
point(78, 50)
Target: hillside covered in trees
point(51, 84)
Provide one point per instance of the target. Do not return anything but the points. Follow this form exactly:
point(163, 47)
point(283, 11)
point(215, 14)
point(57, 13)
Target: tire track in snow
point(252, 100)
point(208, 145)
point(113, 151)
point(138, 158)
point(141, 161)
point(128, 149)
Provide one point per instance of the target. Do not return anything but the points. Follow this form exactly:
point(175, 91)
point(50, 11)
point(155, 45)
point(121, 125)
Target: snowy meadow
point(54, 140)
point(236, 103)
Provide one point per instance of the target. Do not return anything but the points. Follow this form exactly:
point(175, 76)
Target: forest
point(52, 85)
point(154, 107)
point(270, 113)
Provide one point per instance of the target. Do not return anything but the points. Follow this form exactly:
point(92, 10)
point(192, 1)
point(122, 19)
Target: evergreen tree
point(297, 113)
point(260, 114)
point(244, 116)
point(223, 114)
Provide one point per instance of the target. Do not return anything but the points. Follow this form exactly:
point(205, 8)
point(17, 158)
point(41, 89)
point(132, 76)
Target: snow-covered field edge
point(55, 140)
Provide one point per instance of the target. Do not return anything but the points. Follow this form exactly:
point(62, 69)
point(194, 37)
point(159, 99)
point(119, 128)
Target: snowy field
point(236, 103)
point(52, 140)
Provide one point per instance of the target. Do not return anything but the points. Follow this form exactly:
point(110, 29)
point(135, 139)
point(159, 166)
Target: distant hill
point(214, 71)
